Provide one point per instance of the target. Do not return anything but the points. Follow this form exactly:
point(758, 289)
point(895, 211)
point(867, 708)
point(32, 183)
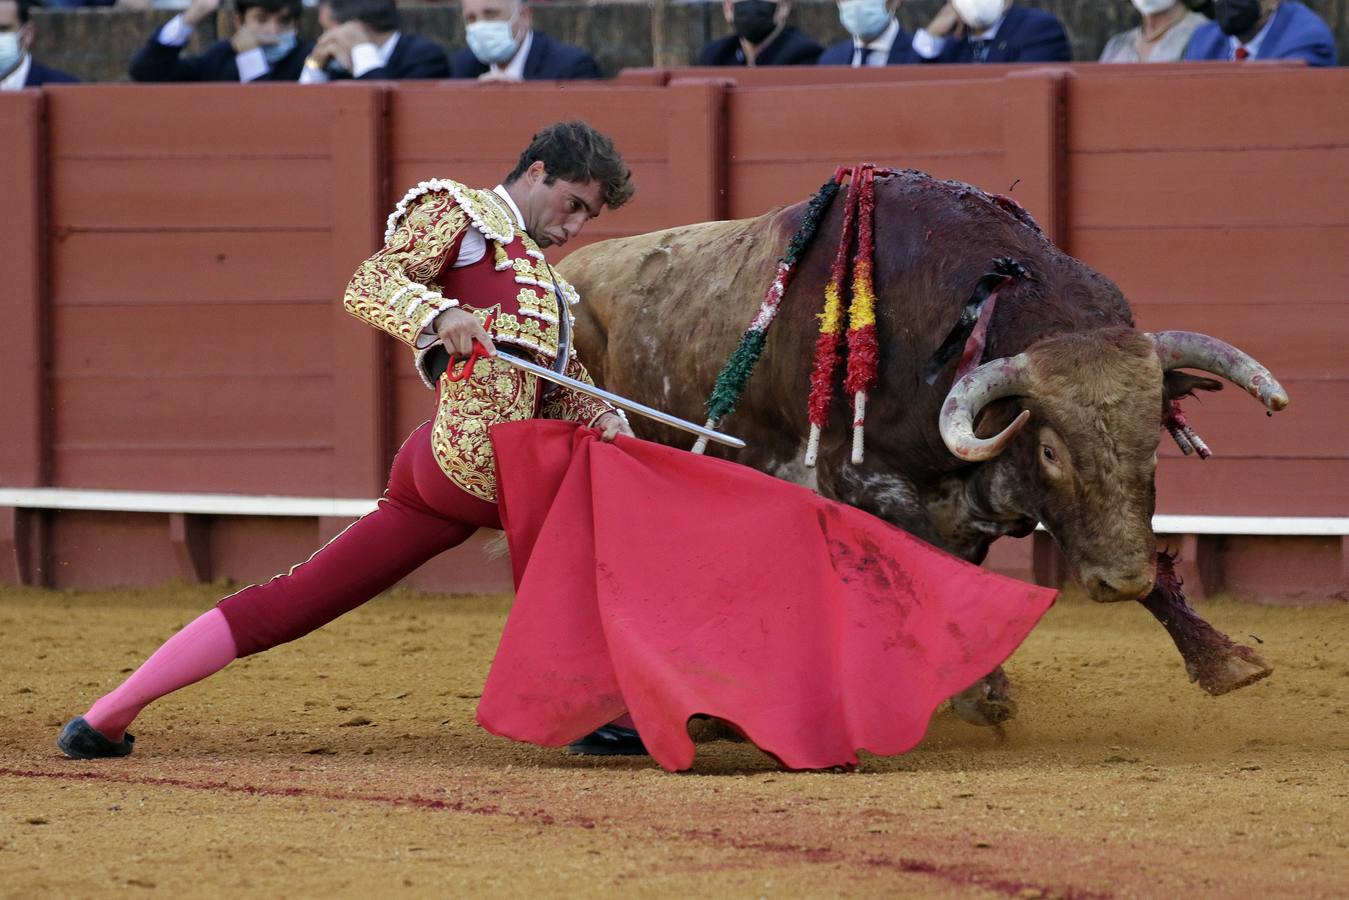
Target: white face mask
point(979, 15)
point(1150, 7)
point(10, 51)
point(491, 42)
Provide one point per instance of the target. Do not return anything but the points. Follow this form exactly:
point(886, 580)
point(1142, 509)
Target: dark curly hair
point(573, 151)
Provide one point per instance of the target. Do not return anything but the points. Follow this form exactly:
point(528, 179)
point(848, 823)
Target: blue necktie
point(979, 50)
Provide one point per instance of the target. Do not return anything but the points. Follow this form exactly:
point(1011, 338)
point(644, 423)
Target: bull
point(1060, 428)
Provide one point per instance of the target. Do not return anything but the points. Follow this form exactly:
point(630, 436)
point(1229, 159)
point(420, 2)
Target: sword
point(631, 406)
point(590, 390)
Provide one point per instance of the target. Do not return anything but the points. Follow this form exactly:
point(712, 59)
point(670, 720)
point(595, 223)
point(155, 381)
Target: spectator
point(991, 31)
point(361, 40)
point(264, 46)
point(762, 37)
point(503, 46)
point(1162, 36)
point(1264, 29)
point(18, 69)
point(877, 38)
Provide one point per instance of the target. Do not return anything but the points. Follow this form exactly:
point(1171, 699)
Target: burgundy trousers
point(420, 515)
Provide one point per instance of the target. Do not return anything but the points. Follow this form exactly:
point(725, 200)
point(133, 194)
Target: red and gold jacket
point(403, 287)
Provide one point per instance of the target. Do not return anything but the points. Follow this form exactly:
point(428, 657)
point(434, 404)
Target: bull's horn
point(1003, 377)
point(1191, 350)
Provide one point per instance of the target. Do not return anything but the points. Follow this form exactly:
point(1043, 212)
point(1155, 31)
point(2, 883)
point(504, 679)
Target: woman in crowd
point(1161, 37)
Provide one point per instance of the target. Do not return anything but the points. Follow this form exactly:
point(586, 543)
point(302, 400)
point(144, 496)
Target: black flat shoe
point(80, 740)
point(610, 740)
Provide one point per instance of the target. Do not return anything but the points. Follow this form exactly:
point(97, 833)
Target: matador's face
point(555, 213)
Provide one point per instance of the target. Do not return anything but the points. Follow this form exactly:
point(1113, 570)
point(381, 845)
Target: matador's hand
point(458, 329)
point(611, 425)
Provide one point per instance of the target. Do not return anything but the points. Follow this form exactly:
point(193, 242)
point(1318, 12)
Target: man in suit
point(1264, 29)
point(361, 40)
point(18, 69)
point(991, 31)
point(760, 37)
point(877, 38)
point(503, 46)
point(264, 46)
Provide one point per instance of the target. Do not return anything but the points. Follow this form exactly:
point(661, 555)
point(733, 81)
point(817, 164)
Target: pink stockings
point(202, 648)
point(420, 515)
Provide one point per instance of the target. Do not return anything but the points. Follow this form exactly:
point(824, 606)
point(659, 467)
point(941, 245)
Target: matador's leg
point(373, 554)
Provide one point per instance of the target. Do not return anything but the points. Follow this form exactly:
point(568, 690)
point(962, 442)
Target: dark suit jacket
point(160, 62)
point(413, 56)
point(791, 47)
point(39, 75)
point(548, 60)
point(901, 52)
point(1295, 32)
point(1026, 35)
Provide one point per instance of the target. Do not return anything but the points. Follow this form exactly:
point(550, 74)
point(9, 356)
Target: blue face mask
point(274, 53)
point(864, 19)
point(491, 42)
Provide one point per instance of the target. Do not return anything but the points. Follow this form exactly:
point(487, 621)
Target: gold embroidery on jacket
point(540, 337)
point(495, 393)
point(543, 308)
point(394, 290)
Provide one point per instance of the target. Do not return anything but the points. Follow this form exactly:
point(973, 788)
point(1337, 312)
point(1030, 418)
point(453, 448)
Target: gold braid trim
point(496, 393)
point(394, 289)
point(561, 403)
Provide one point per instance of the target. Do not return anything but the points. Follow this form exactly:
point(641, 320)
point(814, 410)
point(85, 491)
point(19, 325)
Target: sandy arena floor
point(349, 764)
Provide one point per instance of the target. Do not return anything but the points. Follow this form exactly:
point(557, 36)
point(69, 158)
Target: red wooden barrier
point(808, 76)
point(1221, 208)
point(23, 339)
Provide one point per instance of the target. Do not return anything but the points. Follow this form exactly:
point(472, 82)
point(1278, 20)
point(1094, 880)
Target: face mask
point(864, 19)
point(274, 53)
point(1236, 17)
point(753, 19)
point(978, 15)
point(10, 51)
point(1152, 7)
point(491, 42)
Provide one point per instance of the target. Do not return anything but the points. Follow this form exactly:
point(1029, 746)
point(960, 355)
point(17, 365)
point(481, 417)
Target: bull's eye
point(1048, 452)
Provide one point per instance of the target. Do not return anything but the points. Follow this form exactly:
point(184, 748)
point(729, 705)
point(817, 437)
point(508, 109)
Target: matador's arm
point(395, 290)
point(561, 403)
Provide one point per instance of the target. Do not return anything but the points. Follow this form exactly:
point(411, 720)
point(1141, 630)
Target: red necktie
point(1242, 54)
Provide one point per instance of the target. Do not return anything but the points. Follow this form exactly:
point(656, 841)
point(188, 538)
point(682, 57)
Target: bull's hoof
point(706, 729)
point(986, 703)
point(1236, 669)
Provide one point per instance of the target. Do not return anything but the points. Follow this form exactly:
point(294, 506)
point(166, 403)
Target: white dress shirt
point(364, 58)
point(251, 64)
point(875, 52)
point(15, 80)
point(929, 47)
point(1253, 48)
point(515, 69)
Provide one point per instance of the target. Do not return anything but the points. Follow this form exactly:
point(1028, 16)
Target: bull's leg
point(988, 701)
point(1211, 658)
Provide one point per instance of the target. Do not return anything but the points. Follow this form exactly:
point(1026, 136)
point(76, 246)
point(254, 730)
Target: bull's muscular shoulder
point(484, 209)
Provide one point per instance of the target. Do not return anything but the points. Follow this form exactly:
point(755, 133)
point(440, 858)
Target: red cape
point(668, 584)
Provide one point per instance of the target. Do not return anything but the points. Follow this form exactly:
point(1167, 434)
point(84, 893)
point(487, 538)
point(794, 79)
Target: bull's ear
point(1181, 384)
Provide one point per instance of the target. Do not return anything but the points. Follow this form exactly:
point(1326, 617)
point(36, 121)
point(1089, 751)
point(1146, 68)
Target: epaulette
point(484, 210)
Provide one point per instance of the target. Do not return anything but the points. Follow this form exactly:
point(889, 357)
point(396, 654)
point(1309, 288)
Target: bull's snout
point(1106, 586)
